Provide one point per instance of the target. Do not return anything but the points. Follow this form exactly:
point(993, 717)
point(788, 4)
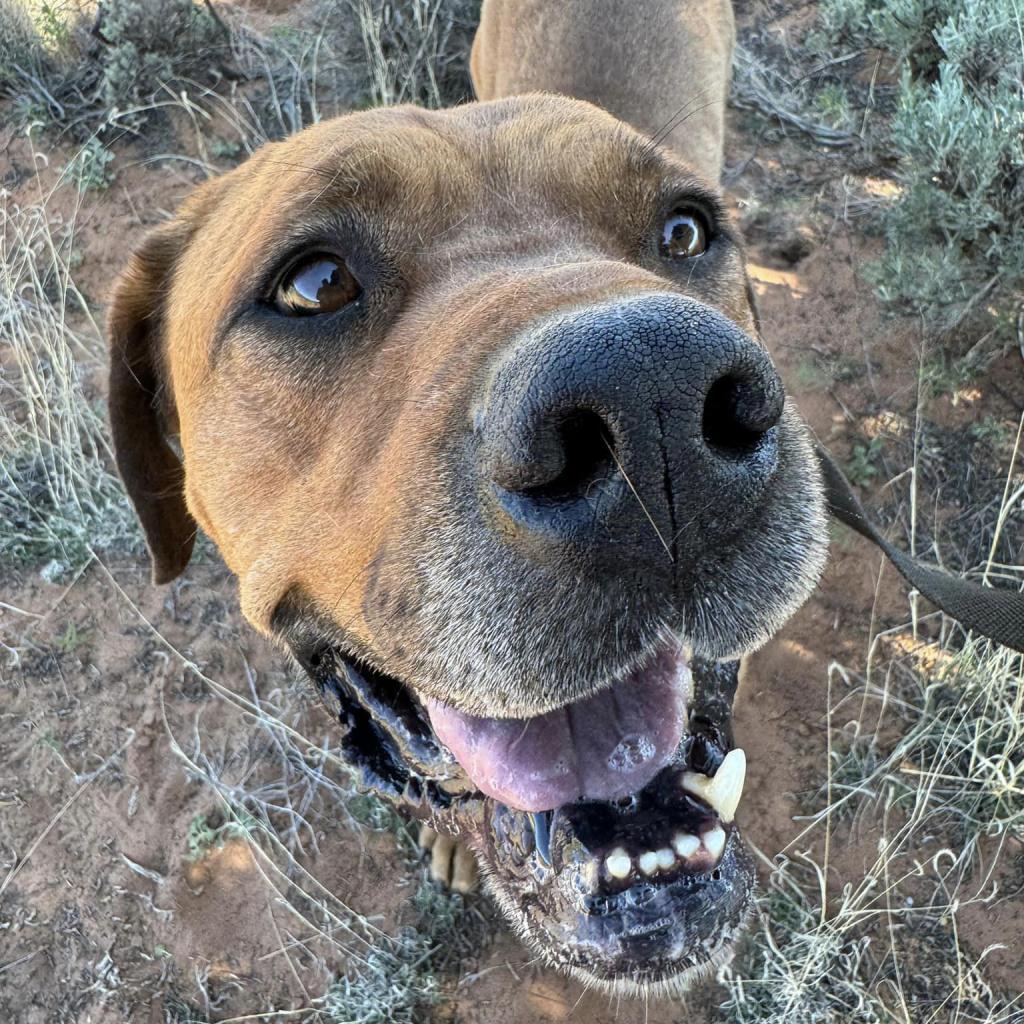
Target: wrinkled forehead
point(415, 178)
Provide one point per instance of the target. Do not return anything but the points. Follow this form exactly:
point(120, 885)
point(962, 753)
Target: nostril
point(587, 456)
point(738, 412)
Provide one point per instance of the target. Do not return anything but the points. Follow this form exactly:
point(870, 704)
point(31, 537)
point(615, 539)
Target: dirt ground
point(104, 916)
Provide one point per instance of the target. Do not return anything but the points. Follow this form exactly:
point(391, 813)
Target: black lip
point(644, 932)
point(544, 868)
point(388, 739)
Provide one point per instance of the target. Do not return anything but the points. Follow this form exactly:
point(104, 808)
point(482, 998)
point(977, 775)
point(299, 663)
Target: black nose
point(652, 420)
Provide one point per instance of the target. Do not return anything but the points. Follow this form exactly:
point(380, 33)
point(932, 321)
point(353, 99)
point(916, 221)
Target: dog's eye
point(684, 235)
point(319, 284)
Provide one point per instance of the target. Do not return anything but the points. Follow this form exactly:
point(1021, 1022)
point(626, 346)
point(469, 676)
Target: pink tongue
point(601, 748)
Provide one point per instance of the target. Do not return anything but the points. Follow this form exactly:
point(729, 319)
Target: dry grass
point(939, 802)
point(116, 75)
point(59, 498)
point(928, 769)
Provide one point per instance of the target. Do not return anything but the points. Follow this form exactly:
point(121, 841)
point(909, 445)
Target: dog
point(473, 405)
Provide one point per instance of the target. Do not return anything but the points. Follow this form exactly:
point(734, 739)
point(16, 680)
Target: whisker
point(625, 476)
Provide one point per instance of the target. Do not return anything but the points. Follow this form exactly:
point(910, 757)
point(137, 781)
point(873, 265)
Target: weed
point(226, 149)
point(208, 832)
point(90, 167)
point(992, 430)
point(861, 467)
point(177, 1011)
point(833, 103)
point(809, 375)
point(71, 639)
point(944, 374)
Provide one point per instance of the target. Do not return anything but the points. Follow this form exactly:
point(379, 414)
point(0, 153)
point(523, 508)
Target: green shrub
point(152, 42)
point(955, 233)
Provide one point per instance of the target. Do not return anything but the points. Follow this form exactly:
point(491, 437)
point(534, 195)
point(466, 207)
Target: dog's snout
point(653, 411)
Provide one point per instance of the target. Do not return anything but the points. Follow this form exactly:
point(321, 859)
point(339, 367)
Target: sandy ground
point(107, 679)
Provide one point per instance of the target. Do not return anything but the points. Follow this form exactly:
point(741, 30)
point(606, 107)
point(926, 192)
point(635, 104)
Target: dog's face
point(469, 403)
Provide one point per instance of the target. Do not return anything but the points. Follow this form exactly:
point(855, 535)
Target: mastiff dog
point(473, 404)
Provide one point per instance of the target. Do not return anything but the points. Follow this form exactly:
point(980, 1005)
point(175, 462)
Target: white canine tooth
point(686, 845)
point(618, 863)
point(666, 859)
point(722, 792)
point(648, 862)
point(715, 842)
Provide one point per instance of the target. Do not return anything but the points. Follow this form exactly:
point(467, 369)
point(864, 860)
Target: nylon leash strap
point(995, 613)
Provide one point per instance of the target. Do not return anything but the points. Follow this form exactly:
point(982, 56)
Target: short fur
point(336, 457)
point(661, 67)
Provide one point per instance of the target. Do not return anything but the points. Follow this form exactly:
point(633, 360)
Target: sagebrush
point(955, 232)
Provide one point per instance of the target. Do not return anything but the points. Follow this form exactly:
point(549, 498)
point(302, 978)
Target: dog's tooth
point(648, 861)
point(722, 792)
point(542, 835)
point(685, 845)
point(666, 859)
point(714, 841)
point(618, 863)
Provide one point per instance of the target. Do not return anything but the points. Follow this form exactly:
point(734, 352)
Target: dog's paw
point(451, 863)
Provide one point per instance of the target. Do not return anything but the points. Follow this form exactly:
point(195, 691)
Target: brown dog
point(470, 402)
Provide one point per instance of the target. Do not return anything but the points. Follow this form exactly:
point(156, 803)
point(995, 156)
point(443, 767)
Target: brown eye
point(684, 235)
point(319, 284)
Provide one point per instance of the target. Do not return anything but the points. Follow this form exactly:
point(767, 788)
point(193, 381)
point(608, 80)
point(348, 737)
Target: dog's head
point(470, 403)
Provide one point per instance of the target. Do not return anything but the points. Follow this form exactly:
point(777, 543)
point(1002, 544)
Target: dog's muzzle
point(632, 504)
point(637, 892)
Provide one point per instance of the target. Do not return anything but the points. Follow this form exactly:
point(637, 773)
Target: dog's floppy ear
point(142, 412)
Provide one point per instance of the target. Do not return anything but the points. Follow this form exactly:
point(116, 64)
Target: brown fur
point(324, 468)
point(661, 67)
point(337, 461)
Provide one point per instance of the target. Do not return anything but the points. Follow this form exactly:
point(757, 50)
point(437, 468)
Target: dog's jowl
point(472, 404)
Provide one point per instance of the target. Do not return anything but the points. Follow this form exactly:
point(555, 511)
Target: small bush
point(152, 42)
point(955, 234)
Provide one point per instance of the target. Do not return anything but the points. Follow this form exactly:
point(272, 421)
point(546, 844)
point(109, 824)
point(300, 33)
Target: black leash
point(997, 614)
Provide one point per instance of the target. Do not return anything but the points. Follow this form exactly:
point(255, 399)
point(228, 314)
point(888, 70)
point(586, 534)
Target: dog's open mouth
point(602, 748)
point(604, 829)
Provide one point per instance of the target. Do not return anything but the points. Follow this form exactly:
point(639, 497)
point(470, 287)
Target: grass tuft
point(941, 798)
point(59, 498)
